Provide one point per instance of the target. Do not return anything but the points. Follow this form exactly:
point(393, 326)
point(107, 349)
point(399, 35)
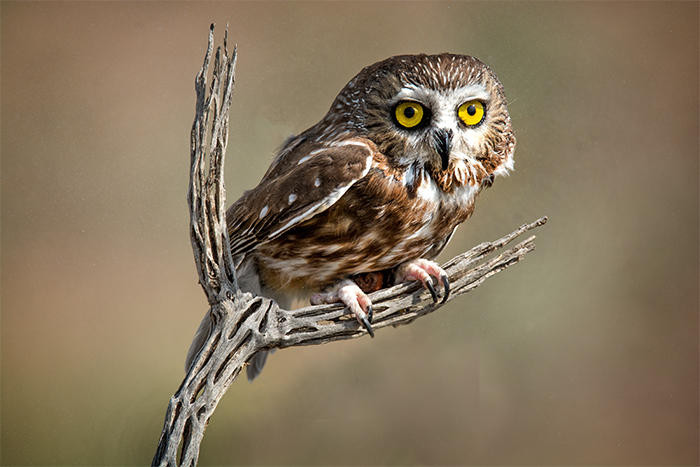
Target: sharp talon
point(431, 288)
point(446, 283)
point(370, 313)
point(367, 326)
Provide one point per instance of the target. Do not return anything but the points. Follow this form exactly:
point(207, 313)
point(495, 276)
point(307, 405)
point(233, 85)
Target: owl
point(370, 195)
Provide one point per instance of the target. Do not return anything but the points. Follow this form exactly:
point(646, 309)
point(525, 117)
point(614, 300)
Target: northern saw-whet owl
point(372, 193)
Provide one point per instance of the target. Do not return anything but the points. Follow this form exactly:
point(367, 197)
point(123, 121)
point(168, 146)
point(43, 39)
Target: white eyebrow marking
point(292, 198)
point(263, 211)
point(317, 182)
point(426, 96)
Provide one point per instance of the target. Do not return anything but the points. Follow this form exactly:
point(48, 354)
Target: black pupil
point(409, 112)
point(471, 110)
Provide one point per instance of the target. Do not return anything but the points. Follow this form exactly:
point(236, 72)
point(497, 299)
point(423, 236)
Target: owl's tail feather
point(256, 364)
point(249, 281)
point(200, 337)
point(204, 330)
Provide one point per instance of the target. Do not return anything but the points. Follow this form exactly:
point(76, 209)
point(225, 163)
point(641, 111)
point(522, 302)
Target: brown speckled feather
point(304, 181)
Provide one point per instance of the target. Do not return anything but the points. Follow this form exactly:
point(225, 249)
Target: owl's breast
point(424, 214)
point(379, 223)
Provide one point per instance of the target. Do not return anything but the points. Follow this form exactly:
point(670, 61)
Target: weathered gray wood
point(245, 324)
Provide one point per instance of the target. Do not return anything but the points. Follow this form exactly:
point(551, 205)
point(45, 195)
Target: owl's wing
point(304, 180)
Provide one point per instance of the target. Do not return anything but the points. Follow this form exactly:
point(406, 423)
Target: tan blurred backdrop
point(584, 354)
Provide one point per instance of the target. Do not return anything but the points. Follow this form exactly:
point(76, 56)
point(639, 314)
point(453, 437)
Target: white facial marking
point(444, 105)
point(505, 168)
point(451, 98)
point(427, 189)
point(461, 172)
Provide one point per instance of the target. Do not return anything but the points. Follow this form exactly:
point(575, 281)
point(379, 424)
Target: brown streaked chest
point(380, 222)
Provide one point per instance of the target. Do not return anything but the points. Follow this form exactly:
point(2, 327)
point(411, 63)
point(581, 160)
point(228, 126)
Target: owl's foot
point(422, 270)
point(353, 297)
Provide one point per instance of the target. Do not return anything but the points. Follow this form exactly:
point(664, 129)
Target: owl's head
point(445, 112)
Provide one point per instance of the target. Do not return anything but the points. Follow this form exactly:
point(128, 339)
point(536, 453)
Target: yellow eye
point(471, 112)
point(409, 114)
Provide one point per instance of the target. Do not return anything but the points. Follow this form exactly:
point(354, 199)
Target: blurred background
point(586, 353)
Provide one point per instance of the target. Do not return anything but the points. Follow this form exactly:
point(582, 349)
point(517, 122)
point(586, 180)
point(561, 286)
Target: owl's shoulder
point(306, 178)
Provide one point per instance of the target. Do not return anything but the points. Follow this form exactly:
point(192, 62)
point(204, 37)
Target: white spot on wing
point(263, 211)
point(323, 204)
point(351, 143)
point(292, 198)
point(314, 209)
point(306, 158)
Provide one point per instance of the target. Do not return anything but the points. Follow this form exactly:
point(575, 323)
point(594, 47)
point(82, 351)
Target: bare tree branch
point(207, 197)
point(245, 324)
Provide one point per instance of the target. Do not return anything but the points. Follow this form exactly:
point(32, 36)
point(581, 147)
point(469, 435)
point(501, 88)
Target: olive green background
point(586, 353)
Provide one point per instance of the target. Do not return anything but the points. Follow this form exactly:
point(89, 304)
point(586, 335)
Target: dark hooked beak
point(441, 142)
